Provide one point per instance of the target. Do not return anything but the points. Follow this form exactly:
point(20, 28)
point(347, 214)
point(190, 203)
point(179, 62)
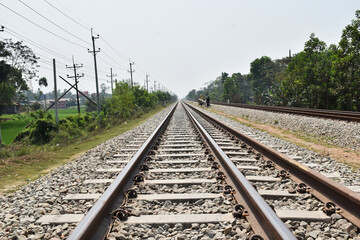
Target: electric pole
point(147, 82)
point(1, 30)
point(94, 52)
point(131, 73)
point(154, 85)
point(111, 78)
point(76, 76)
point(55, 94)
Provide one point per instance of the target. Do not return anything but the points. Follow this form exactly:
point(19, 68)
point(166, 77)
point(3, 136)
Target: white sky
point(181, 44)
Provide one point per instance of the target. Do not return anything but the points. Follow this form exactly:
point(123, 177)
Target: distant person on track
point(208, 102)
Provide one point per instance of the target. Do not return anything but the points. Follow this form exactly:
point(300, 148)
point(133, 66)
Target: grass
point(14, 124)
point(40, 160)
point(11, 128)
point(63, 112)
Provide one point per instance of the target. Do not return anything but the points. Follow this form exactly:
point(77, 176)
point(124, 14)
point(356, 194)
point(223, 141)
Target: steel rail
point(323, 113)
point(323, 188)
point(262, 218)
point(97, 221)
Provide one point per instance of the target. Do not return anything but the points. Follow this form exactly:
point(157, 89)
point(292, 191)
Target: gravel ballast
point(340, 133)
point(347, 175)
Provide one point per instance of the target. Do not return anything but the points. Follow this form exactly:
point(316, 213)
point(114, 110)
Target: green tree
point(346, 66)
point(261, 78)
point(191, 95)
point(16, 70)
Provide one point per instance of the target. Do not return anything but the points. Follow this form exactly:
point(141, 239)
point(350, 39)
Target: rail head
point(97, 221)
point(263, 220)
point(320, 113)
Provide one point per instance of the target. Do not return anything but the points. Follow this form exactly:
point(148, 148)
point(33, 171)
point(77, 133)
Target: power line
point(53, 22)
point(114, 49)
point(88, 27)
point(113, 60)
point(42, 27)
point(41, 45)
point(25, 39)
point(68, 16)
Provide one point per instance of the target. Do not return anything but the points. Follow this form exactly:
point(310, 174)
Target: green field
point(11, 128)
point(63, 112)
point(15, 123)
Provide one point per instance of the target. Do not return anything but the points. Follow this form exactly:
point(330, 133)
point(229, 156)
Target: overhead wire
point(120, 65)
point(54, 23)
point(68, 16)
point(114, 49)
point(25, 39)
point(89, 28)
point(54, 34)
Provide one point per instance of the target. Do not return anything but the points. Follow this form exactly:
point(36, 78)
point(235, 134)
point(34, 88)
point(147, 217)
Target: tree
point(16, 70)
point(261, 78)
point(191, 95)
point(347, 65)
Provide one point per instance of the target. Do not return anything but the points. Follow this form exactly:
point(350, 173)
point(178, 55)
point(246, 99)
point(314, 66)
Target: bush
point(41, 131)
point(35, 106)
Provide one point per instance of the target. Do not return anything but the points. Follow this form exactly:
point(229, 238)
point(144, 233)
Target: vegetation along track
point(320, 113)
point(190, 187)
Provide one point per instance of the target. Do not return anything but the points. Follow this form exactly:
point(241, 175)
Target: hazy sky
point(181, 44)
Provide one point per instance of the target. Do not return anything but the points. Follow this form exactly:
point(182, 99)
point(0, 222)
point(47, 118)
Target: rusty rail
point(262, 218)
point(97, 221)
point(323, 188)
point(322, 113)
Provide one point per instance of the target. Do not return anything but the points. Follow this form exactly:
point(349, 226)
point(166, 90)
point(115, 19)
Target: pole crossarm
point(72, 86)
point(83, 94)
point(76, 76)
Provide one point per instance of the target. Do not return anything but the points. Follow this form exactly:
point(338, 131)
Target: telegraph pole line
point(147, 82)
point(2, 28)
point(94, 52)
point(131, 73)
point(111, 78)
point(154, 85)
point(76, 76)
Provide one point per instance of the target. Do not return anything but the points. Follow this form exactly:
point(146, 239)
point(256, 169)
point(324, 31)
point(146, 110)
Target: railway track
point(320, 113)
point(194, 177)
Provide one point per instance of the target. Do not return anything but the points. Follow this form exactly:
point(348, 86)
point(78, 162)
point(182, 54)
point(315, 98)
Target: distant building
point(85, 93)
point(61, 103)
point(14, 108)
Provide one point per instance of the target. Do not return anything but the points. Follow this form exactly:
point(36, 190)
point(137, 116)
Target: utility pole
point(147, 82)
point(95, 65)
point(290, 53)
point(154, 85)
point(1, 30)
point(131, 73)
point(55, 93)
point(111, 77)
point(76, 76)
